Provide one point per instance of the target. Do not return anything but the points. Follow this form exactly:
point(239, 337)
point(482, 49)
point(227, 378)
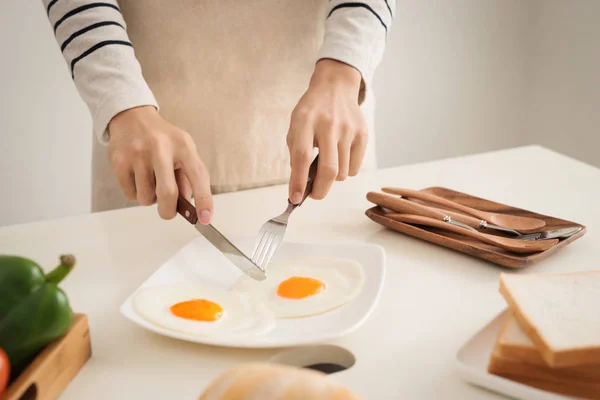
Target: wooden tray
point(474, 247)
point(52, 370)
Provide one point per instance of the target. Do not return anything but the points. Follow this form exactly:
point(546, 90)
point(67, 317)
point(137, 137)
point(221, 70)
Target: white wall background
point(563, 107)
point(45, 138)
point(452, 78)
point(458, 77)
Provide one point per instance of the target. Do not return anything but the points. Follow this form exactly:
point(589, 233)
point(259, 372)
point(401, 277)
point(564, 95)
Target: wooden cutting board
point(474, 247)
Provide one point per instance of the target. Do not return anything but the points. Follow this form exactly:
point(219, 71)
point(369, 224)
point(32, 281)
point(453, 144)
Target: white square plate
point(200, 262)
point(473, 359)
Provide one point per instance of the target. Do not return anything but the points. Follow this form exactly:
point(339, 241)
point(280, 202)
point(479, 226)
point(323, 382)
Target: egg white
point(242, 315)
point(343, 281)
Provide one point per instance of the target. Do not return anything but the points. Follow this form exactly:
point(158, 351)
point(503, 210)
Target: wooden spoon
point(514, 245)
point(522, 224)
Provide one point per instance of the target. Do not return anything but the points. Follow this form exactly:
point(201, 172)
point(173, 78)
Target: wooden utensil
point(475, 222)
point(514, 245)
point(481, 225)
point(473, 247)
point(523, 224)
point(403, 205)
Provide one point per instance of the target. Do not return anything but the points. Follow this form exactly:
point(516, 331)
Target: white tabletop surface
point(433, 301)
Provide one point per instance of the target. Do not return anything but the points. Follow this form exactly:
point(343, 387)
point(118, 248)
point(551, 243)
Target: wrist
point(336, 73)
point(135, 114)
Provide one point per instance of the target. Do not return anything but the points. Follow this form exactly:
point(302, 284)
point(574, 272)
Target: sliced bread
point(569, 381)
point(514, 343)
point(559, 313)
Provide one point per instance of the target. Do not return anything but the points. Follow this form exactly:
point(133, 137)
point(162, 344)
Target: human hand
point(328, 117)
point(155, 161)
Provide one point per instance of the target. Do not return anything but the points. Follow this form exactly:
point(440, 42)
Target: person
point(200, 97)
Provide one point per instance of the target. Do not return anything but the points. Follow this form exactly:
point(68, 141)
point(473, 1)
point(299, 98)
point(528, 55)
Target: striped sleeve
point(356, 33)
point(101, 60)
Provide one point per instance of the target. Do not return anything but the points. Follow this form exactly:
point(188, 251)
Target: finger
point(357, 154)
point(327, 170)
point(125, 177)
point(144, 184)
point(343, 159)
point(183, 184)
point(166, 186)
point(126, 180)
point(199, 180)
point(301, 149)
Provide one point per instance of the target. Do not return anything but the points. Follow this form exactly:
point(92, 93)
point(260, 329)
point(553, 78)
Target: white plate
point(200, 262)
point(473, 359)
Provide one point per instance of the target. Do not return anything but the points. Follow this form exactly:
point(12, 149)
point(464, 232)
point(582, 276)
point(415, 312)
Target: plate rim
point(126, 308)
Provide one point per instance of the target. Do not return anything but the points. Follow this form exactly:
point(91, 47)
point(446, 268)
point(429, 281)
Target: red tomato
point(4, 371)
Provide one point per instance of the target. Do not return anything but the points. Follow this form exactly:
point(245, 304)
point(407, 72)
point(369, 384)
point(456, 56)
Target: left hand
point(328, 117)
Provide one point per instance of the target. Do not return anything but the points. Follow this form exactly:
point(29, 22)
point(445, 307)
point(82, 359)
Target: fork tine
point(259, 245)
point(262, 247)
point(271, 237)
point(274, 245)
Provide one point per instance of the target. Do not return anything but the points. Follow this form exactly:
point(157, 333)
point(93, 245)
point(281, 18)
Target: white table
point(434, 299)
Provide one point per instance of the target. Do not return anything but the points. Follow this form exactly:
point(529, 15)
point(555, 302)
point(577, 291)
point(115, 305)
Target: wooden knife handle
point(430, 198)
point(465, 219)
point(187, 210)
point(403, 206)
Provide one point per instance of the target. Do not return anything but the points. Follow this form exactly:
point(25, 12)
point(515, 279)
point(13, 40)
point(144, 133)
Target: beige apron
point(229, 73)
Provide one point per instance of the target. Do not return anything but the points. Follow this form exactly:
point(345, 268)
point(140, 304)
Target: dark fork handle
point(312, 173)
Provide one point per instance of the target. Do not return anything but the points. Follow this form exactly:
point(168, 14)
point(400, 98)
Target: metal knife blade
point(560, 233)
point(217, 239)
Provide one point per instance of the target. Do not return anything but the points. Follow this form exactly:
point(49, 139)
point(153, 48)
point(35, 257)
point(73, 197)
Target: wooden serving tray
point(52, 370)
point(474, 247)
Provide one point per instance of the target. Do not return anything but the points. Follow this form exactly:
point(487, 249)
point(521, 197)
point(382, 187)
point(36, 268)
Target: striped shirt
point(92, 36)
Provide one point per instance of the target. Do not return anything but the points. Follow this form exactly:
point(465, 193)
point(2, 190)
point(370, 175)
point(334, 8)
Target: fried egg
point(203, 310)
point(306, 286)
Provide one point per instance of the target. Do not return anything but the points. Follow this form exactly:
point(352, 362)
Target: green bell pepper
point(33, 310)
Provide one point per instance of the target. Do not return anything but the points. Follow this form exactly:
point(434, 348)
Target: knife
point(216, 238)
point(560, 233)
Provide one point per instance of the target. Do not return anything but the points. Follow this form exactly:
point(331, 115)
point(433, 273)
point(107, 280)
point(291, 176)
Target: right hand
point(155, 161)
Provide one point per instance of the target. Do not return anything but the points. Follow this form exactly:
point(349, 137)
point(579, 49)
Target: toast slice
point(567, 381)
point(560, 314)
point(514, 344)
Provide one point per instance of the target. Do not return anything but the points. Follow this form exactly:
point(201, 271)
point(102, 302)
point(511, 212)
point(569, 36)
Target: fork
point(271, 233)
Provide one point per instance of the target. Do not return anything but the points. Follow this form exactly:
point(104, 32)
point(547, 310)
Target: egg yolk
point(197, 310)
point(299, 287)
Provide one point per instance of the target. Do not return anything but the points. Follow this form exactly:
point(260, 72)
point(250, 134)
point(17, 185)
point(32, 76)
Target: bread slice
point(567, 381)
point(560, 313)
point(514, 344)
